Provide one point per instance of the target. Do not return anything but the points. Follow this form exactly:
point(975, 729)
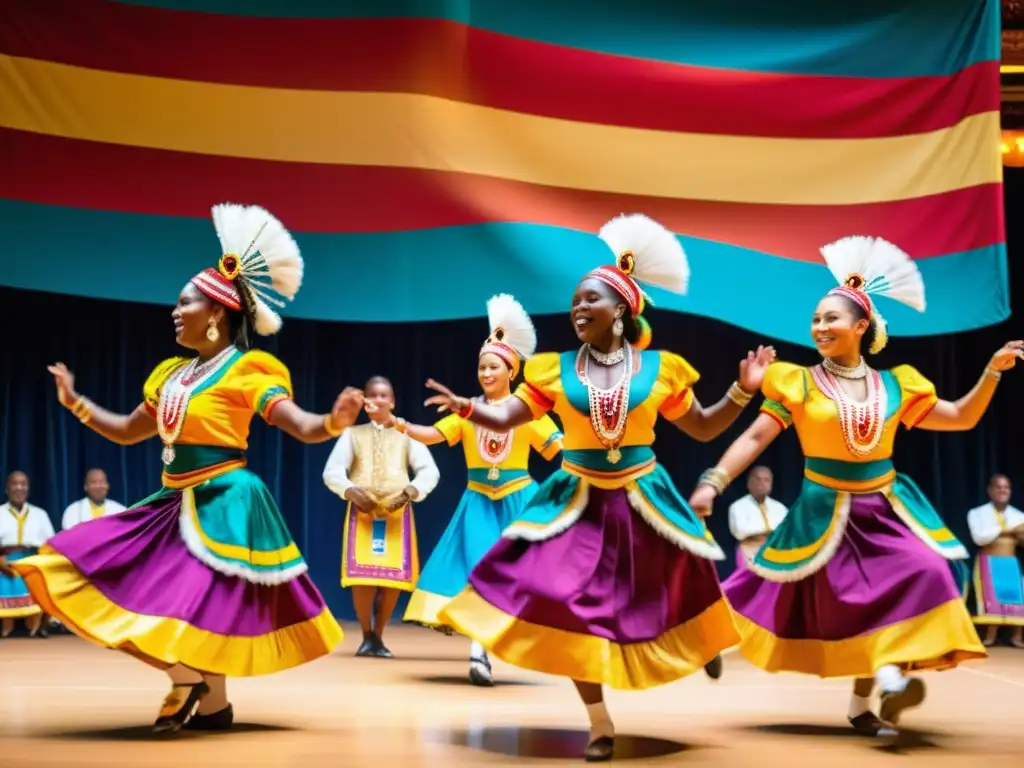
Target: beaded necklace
point(862, 423)
point(175, 396)
point(494, 447)
point(609, 408)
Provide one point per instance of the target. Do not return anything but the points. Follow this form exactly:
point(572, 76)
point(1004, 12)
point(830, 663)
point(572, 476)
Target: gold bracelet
point(739, 395)
point(81, 409)
point(401, 425)
point(329, 427)
point(992, 373)
point(717, 478)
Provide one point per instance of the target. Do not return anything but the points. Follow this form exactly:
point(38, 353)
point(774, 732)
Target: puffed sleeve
point(155, 383)
point(541, 382)
point(545, 437)
point(784, 389)
point(918, 395)
point(264, 382)
point(451, 427)
point(679, 376)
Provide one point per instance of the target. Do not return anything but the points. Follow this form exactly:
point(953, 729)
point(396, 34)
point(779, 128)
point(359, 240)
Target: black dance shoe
point(368, 646)
point(221, 720)
point(599, 750)
point(870, 724)
point(179, 706)
point(714, 668)
point(480, 672)
point(380, 650)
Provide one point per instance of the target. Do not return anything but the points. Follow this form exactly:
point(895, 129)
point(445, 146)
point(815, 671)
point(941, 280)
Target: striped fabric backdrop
point(428, 153)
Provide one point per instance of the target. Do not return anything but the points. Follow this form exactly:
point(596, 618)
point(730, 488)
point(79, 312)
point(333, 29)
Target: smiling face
point(595, 306)
point(96, 486)
point(494, 375)
point(999, 491)
point(17, 488)
point(835, 328)
point(192, 315)
point(379, 399)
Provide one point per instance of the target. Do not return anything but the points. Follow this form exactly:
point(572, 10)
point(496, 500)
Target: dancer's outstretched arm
point(740, 455)
point(124, 429)
point(501, 417)
point(317, 427)
point(965, 413)
point(706, 423)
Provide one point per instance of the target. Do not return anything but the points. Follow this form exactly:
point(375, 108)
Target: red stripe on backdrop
point(450, 60)
point(340, 198)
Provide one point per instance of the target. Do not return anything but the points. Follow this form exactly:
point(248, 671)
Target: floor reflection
point(556, 743)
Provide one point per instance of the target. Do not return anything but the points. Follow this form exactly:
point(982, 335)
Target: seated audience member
point(23, 529)
point(95, 504)
point(755, 516)
point(998, 530)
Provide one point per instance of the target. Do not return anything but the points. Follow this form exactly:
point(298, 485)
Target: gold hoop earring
point(212, 333)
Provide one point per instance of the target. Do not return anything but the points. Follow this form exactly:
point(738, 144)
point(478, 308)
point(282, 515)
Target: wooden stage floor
point(66, 703)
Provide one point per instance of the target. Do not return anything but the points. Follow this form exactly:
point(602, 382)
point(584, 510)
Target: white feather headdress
point(512, 336)
point(647, 252)
point(267, 263)
point(870, 267)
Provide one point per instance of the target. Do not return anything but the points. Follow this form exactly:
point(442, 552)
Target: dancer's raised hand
point(754, 368)
point(1007, 356)
point(65, 381)
point(445, 400)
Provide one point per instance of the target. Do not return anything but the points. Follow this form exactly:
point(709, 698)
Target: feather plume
point(504, 312)
point(657, 253)
point(886, 270)
point(271, 265)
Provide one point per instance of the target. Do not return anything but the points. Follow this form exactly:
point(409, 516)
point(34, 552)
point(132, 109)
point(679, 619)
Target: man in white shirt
point(23, 529)
point(998, 530)
point(95, 504)
point(755, 516)
point(381, 473)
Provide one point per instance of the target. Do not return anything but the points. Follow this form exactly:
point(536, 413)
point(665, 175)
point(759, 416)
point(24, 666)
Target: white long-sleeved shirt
point(746, 517)
point(423, 468)
point(985, 525)
point(80, 511)
point(31, 527)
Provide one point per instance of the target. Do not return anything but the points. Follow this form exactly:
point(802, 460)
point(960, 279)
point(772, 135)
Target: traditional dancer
point(606, 577)
point(23, 529)
point(380, 473)
point(202, 579)
point(998, 529)
point(497, 464)
point(94, 504)
point(856, 582)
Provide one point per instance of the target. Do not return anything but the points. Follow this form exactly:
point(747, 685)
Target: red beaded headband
point(505, 352)
point(622, 283)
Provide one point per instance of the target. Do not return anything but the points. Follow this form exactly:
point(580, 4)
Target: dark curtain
point(111, 347)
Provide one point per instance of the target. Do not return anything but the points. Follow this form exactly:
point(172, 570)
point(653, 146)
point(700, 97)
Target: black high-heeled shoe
point(179, 706)
point(714, 668)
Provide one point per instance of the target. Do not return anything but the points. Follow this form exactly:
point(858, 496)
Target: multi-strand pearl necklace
point(175, 396)
point(862, 423)
point(609, 408)
point(494, 447)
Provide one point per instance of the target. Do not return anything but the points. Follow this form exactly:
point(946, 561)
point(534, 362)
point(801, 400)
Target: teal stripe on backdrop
point(867, 38)
point(447, 274)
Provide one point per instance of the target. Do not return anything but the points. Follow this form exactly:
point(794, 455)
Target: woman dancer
point(856, 581)
point(606, 576)
point(202, 579)
point(498, 468)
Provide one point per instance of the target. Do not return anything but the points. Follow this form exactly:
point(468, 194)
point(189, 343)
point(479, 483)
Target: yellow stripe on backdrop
point(404, 130)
